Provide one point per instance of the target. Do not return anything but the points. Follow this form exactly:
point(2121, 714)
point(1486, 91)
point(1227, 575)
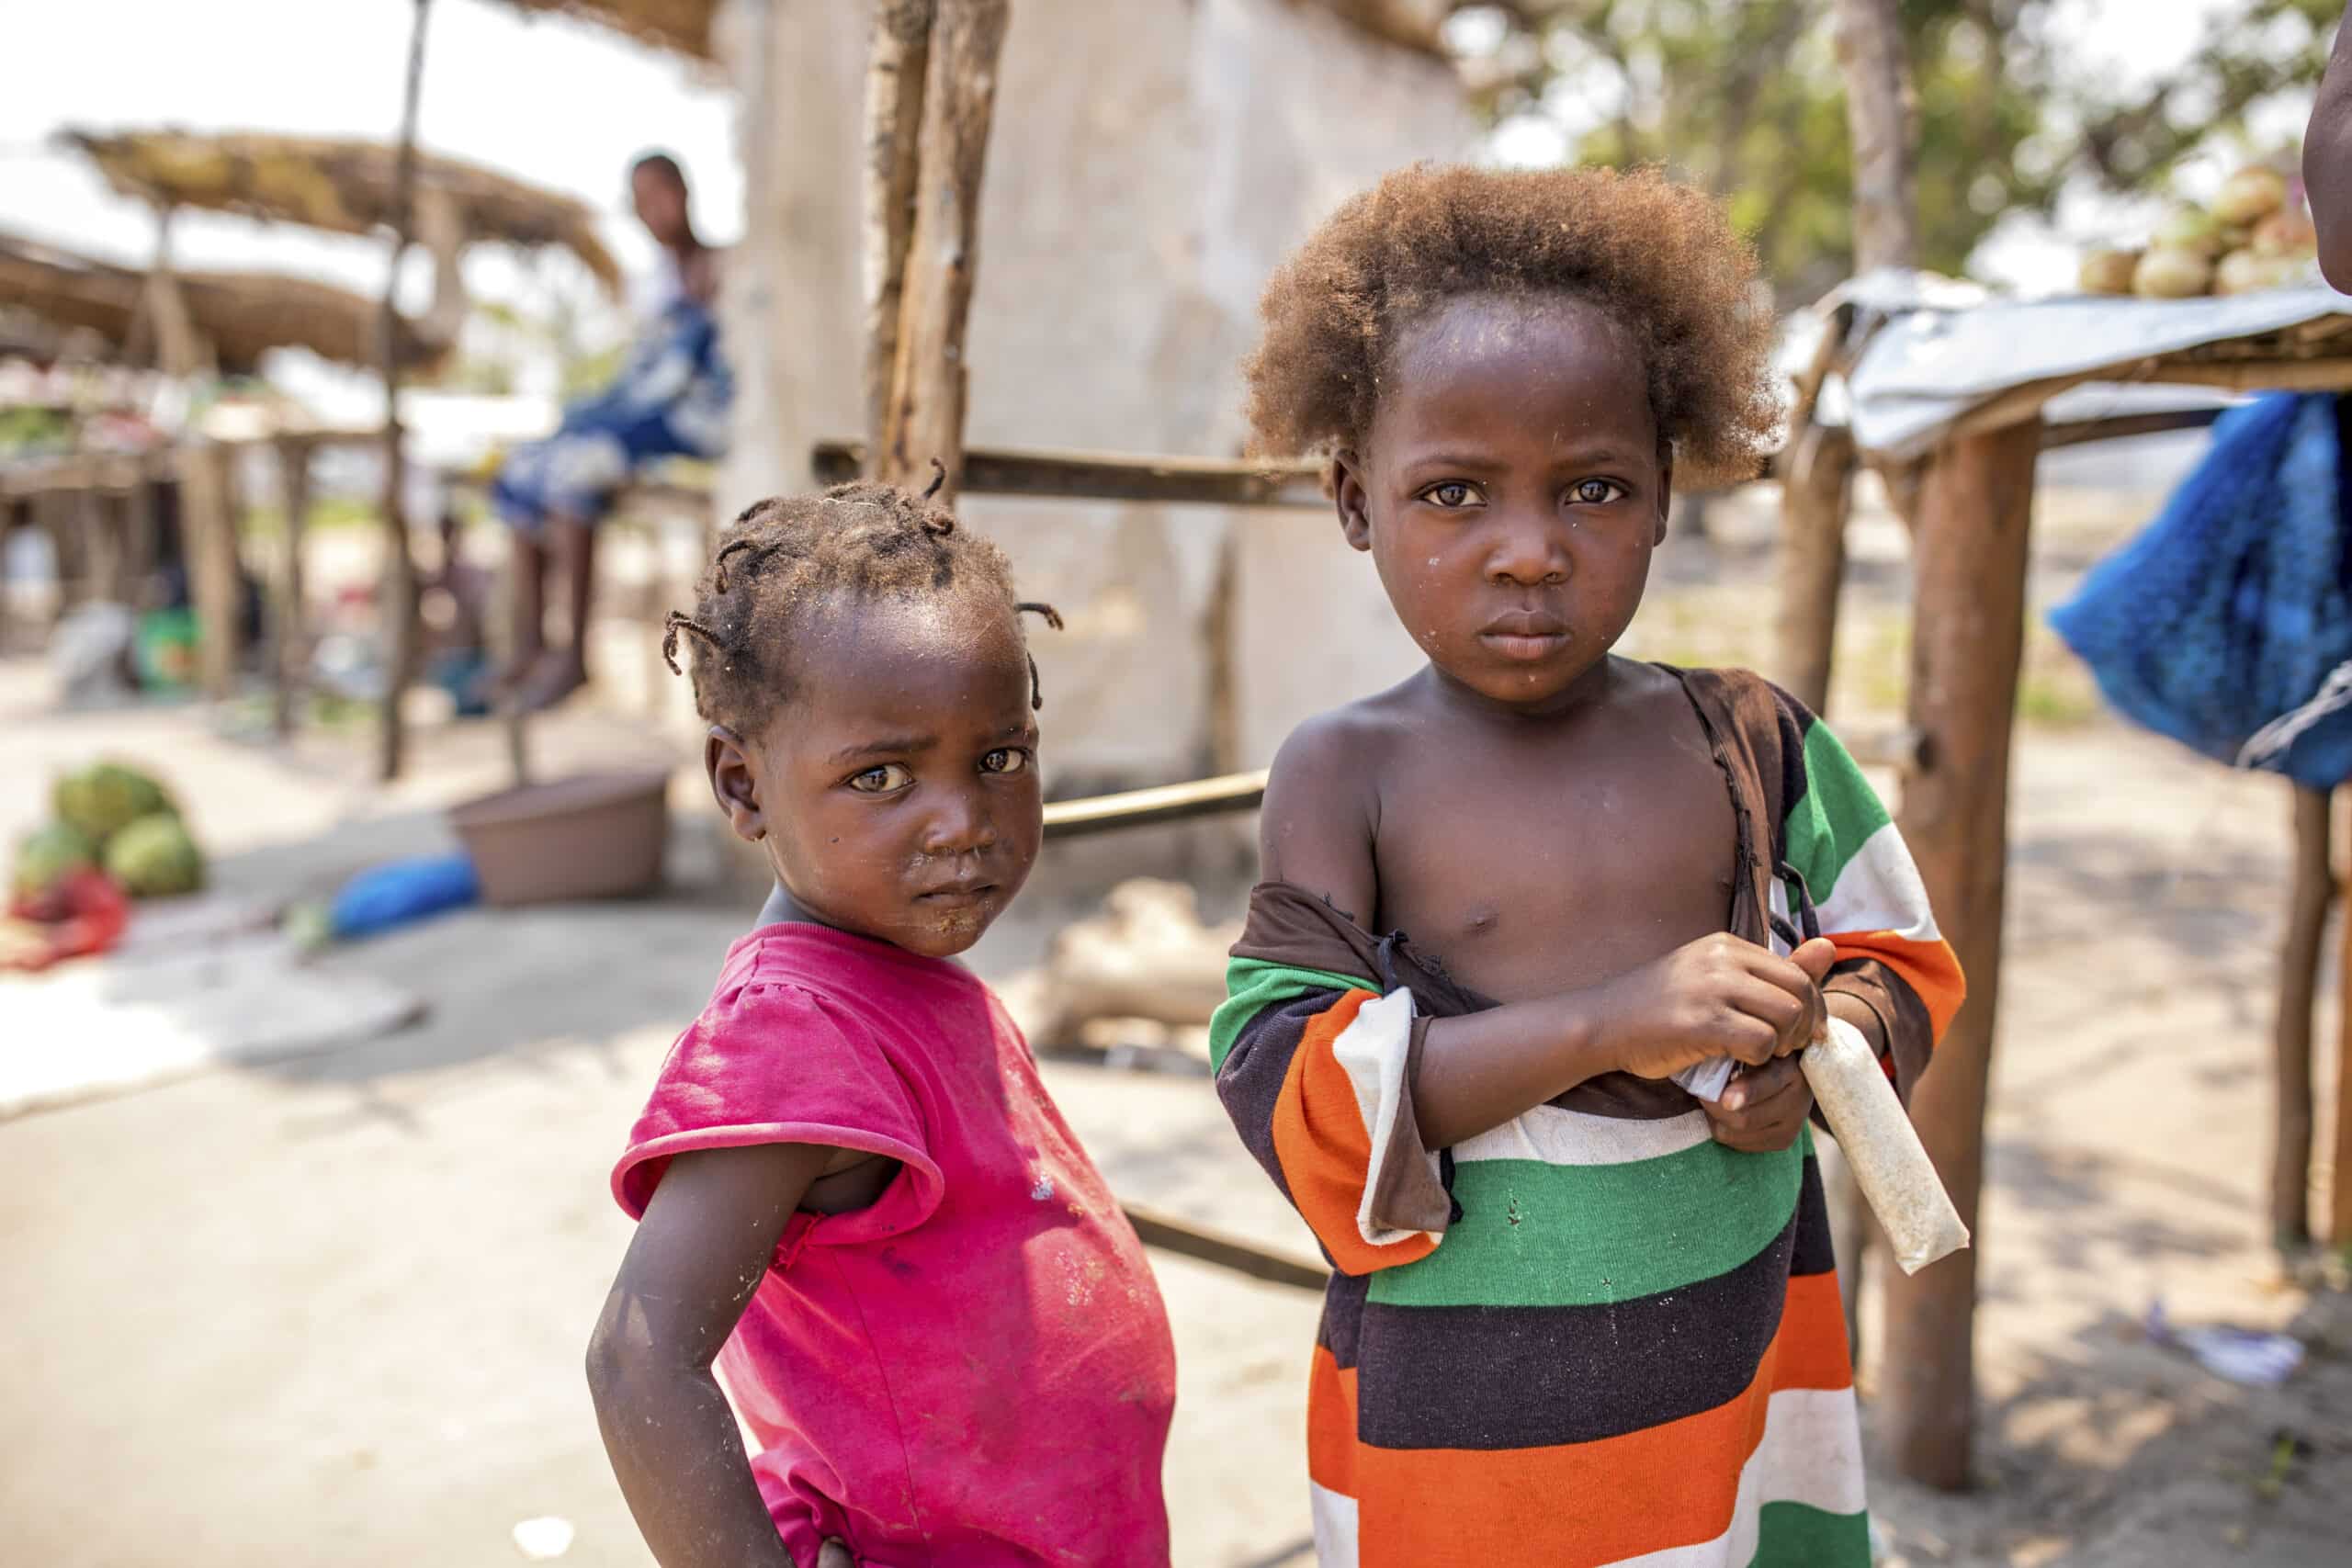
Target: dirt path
point(333, 1311)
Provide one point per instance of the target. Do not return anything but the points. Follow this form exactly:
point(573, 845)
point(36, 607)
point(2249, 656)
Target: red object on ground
point(85, 913)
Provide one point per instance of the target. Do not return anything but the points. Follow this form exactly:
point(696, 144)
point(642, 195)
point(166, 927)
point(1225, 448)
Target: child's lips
point(1526, 636)
point(958, 895)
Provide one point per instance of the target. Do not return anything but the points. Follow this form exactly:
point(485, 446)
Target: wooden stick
point(2290, 1142)
point(1814, 500)
point(286, 623)
point(1164, 1231)
point(2339, 1230)
point(894, 89)
point(400, 563)
point(1108, 475)
point(1969, 618)
point(1165, 803)
point(925, 421)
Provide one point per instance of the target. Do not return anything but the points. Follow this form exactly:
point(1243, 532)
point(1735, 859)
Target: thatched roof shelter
point(242, 314)
point(344, 187)
point(684, 26)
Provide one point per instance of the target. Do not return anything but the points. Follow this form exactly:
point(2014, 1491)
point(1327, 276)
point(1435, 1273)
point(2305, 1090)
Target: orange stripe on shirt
point(1331, 1423)
point(1565, 1505)
point(1929, 968)
point(1326, 1149)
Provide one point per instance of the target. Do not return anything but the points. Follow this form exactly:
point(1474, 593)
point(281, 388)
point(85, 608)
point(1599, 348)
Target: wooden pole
point(2339, 1230)
point(1968, 618)
point(1815, 496)
point(286, 623)
point(923, 422)
point(1878, 116)
point(399, 588)
point(894, 94)
point(207, 530)
point(2290, 1144)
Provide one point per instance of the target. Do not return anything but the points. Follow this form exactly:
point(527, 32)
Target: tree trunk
point(1878, 116)
point(1968, 618)
point(894, 97)
point(925, 421)
point(399, 587)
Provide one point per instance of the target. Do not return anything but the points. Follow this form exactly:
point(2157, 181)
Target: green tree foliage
point(1744, 97)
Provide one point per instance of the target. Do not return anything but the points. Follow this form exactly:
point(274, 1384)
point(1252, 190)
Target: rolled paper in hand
point(1881, 1147)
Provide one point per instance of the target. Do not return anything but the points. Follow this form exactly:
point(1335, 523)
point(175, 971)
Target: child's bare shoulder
point(1322, 798)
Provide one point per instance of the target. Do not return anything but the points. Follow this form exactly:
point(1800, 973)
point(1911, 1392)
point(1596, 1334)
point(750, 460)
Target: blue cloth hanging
point(2235, 605)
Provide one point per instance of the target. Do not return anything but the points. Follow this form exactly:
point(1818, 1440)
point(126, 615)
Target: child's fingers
point(834, 1554)
point(1815, 958)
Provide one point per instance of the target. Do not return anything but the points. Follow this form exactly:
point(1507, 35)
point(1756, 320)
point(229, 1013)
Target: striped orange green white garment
point(1592, 1334)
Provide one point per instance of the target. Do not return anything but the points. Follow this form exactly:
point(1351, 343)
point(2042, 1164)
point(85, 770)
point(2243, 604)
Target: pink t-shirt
point(975, 1370)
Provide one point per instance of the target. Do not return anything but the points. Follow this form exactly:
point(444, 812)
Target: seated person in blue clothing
point(670, 399)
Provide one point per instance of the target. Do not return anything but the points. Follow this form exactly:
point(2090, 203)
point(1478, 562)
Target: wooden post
point(1815, 494)
point(1968, 616)
point(924, 419)
point(207, 532)
point(1878, 116)
point(894, 94)
point(2339, 1230)
point(287, 643)
point(399, 588)
point(2290, 1146)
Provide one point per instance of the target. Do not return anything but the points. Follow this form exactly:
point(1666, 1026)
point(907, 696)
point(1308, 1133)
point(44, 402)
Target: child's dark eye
point(1598, 492)
point(1006, 759)
point(882, 779)
point(1451, 494)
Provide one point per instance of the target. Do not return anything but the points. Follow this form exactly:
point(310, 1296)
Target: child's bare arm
point(699, 1252)
point(1715, 997)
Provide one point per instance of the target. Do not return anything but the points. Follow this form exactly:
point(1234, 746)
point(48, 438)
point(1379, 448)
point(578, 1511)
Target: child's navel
point(1483, 920)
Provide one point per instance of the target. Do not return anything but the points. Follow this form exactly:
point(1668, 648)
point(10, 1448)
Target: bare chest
point(1545, 870)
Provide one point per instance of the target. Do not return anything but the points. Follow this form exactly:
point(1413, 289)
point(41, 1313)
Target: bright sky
point(562, 105)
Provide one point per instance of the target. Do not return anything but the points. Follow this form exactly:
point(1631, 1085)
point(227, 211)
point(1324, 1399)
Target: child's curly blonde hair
point(1659, 256)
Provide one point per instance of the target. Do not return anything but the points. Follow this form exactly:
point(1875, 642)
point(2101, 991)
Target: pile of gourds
point(2253, 235)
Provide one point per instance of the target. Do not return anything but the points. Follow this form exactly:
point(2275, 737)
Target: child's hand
point(1763, 1109)
point(834, 1554)
point(1716, 997)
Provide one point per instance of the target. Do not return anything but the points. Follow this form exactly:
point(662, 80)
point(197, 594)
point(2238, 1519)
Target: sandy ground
point(332, 1309)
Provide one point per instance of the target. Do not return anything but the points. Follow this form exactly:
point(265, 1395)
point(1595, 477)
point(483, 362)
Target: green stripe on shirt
point(1538, 1234)
point(1254, 985)
point(1836, 815)
point(1797, 1535)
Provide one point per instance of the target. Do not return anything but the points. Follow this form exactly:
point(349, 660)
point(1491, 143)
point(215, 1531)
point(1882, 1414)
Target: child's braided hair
point(864, 539)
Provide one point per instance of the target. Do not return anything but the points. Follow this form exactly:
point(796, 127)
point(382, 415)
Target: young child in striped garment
point(1580, 1316)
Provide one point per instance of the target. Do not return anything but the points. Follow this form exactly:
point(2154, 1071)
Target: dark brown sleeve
point(1904, 1036)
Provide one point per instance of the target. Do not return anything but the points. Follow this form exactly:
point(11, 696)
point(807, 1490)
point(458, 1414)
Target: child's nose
point(1530, 551)
point(962, 826)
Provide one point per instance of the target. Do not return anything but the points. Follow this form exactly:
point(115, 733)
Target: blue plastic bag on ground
point(401, 892)
point(2231, 612)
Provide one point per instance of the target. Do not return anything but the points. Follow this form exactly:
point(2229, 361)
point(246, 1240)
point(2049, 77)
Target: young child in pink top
point(854, 1198)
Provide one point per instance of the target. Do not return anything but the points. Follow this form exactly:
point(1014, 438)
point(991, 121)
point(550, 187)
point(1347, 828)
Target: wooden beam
point(2290, 1139)
point(1165, 803)
point(924, 421)
point(1108, 475)
point(398, 592)
point(1976, 510)
point(895, 66)
point(1164, 1231)
point(2339, 1229)
point(287, 642)
point(1814, 500)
